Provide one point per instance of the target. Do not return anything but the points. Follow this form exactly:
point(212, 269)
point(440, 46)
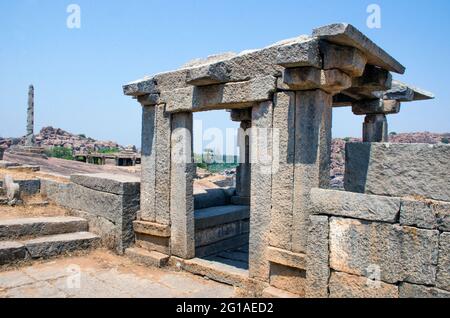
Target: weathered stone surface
point(371, 84)
point(376, 106)
point(313, 121)
point(261, 180)
point(106, 182)
point(162, 165)
point(355, 205)
point(222, 96)
point(401, 253)
point(230, 243)
point(257, 63)
point(140, 87)
point(148, 164)
point(149, 228)
point(302, 78)
point(406, 93)
point(148, 99)
point(418, 291)
point(59, 244)
point(153, 243)
point(334, 81)
point(443, 272)
point(12, 189)
point(375, 128)
point(347, 59)
point(283, 176)
point(29, 186)
point(398, 169)
point(12, 252)
point(220, 232)
point(318, 267)
point(346, 34)
point(287, 258)
point(182, 179)
point(442, 211)
point(213, 216)
point(272, 292)
point(286, 278)
point(15, 228)
point(343, 285)
point(211, 198)
point(418, 213)
point(149, 258)
point(300, 54)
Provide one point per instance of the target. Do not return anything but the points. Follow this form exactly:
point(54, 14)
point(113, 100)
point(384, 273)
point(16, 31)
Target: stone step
point(12, 252)
point(145, 257)
point(52, 245)
point(272, 292)
point(34, 227)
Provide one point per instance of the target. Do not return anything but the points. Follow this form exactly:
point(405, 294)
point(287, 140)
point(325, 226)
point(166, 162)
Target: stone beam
point(376, 106)
point(406, 93)
point(373, 81)
point(241, 114)
point(269, 61)
point(222, 96)
point(307, 78)
point(348, 59)
point(348, 35)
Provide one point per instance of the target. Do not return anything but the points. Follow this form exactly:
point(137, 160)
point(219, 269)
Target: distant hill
point(55, 137)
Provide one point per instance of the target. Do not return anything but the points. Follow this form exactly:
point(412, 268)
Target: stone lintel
point(376, 106)
point(347, 34)
point(223, 96)
point(309, 78)
point(371, 84)
point(140, 87)
point(286, 258)
point(150, 228)
point(348, 59)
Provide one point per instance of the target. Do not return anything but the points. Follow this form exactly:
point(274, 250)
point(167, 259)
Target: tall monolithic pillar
point(29, 141)
point(313, 121)
point(261, 183)
point(182, 190)
point(243, 173)
point(148, 164)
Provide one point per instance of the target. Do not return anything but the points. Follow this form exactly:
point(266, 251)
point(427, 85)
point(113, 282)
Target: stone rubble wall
point(364, 245)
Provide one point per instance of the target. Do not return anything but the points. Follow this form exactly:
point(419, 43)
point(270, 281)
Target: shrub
point(60, 153)
point(445, 140)
point(109, 150)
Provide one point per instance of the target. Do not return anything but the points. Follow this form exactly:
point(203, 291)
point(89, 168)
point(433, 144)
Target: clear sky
point(78, 73)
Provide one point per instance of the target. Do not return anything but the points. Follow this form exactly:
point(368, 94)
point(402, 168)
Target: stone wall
point(109, 202)
point(391, 245)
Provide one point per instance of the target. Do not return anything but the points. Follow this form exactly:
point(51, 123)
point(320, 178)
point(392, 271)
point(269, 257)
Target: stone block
point(418, 213)
point(241, 114)
point(355, 205)
point(375, 128)
point(376, 106)
point(343, 285)
point(334, 81)
point(407, 290)
point(303, 78)
point(148, 258)
point(150, 228)
point(443, 271)
point(148, 99)
point(286, 258)
point(12, 252)
point(347, 34)
point(272, 292)
point(286, 278)
point(223, 245)
point(218, 233)
point(110, 183)
point(222, 96)
point(347, 59)
point(29, 186)
point(318, 267)
point(398, 169)
point(153, 243)
point(300, 54)
point(401, 253)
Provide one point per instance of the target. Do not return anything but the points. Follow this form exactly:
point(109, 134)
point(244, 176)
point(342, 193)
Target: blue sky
point(78, 73)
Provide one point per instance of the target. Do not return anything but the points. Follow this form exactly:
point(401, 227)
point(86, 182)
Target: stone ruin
point(302, 238)
point(282, 232)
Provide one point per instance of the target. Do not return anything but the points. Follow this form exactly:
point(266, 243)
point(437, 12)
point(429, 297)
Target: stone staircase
point(43, 237)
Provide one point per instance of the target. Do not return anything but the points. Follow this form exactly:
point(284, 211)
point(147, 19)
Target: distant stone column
point(29, 142)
